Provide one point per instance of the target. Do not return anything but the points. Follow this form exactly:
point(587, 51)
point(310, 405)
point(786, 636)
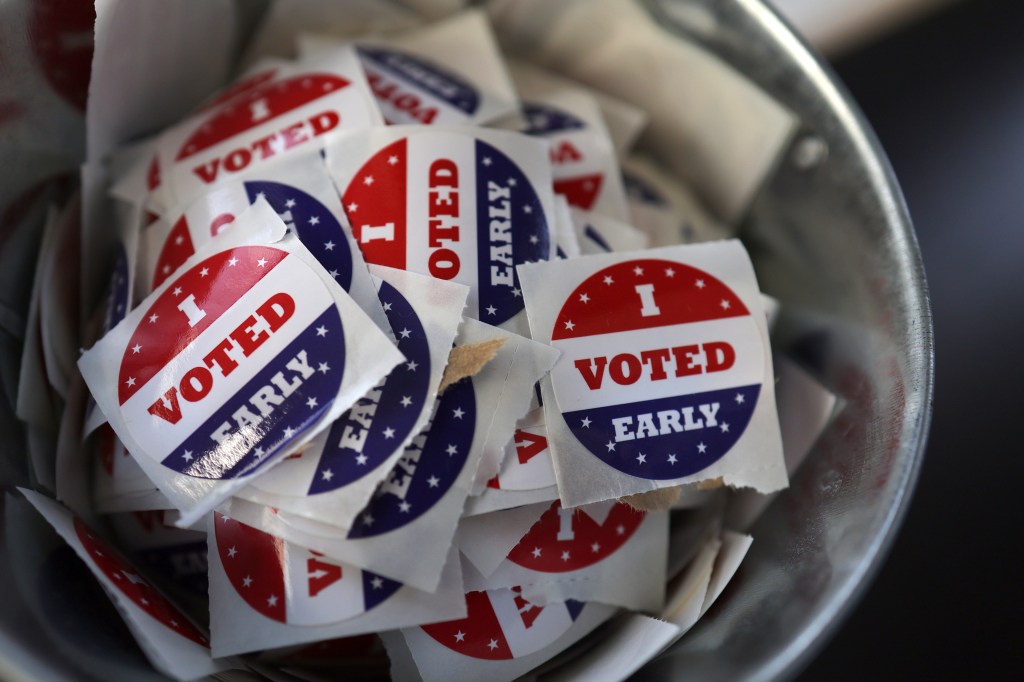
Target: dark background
point(946, 98)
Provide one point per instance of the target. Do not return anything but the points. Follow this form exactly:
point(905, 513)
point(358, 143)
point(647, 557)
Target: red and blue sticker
point(661, 370)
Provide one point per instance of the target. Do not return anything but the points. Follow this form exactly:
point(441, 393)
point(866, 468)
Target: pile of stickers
point(409, 363)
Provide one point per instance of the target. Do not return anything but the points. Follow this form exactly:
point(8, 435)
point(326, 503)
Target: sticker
point(232, 363)
point(295, 109)
point(408, 525)
point(503, 636)
point(177, 555)
point(167, 637)
point(335, 477)
point(265, 592)
point(568, 554)
point(583, 159)
point(302, 194)
point(486, 539)
point(458, 204)
point(663, 362)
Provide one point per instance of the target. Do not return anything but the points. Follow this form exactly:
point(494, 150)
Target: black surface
point(946, 98)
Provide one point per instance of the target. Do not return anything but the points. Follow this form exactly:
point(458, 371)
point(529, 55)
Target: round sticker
point(61, 34)
point(367, 434)
point(411, 89)
point(501, 625)
point(291, 584)
point(427, 469)
point(662, 367)
point(236, 358)
point(132, 585)
point(565, 540)
point(314, 223)
point(453, 207)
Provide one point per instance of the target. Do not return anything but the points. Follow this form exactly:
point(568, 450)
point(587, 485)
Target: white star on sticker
point(204, 272)
point(569, 325)
point(740, 399)
point(487, 161)
point(289, 432)
point(361, 460)
point(334, 274)
point(232, 551)
point(130, 381)
point(584, 298)
point(412, 365)
point(595, 548)
point(353, 207)
point(534, 239)
point(246, 581)
point(511, 182)
point(516, 292)
point(701, 447)
point(387, 307)
point(433, 481)
point(565, 555)
point(259, 452)
point(451, 450)
point(329, 246)
point(327, 474)
point(536, 552)
point(404, 507)
point(179, 239)
point(641, 458)
point(725, 427)
point(187, 456)
point(377, 583)
point(262, 262)
point(153, 318)
point(321, 331)
point(272, 601)
point(389, 433)
point(620, 529)
point(669, 272)
point(724, 304)
point(177, 291)
point(460, 636)
point(458, 412)
point(608, 279)
point(700, 284)
point(314, 220)
point(368, 180)
point(491, 310)
point(406, 401)
point(610, 445)
point(492, 645)
point(528, 209)
point(367, 519)
point(638, 270)
point(323, 368)
point(672, 459)
point(586, 422)
point(290, 203)
point(311, 402)
point(405, 332)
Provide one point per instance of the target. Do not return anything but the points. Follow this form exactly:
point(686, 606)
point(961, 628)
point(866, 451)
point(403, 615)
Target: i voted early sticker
point(458, 204)
point(232, 362)
point(664, 359)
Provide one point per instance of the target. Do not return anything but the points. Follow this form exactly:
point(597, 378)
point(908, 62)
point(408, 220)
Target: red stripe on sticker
point(479, 634)
point(375, 202)
point(254, 563)
point(176, 250)
point(189, 305)
point(257, 106)
point(644, 294)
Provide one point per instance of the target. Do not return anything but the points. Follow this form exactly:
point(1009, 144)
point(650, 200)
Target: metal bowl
point(831, 238)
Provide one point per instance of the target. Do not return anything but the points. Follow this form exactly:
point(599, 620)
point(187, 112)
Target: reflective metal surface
point(830, 237)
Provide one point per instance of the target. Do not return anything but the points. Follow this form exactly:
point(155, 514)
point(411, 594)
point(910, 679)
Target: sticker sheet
point(257, 301)
point(584, 163)
point(167, 637)
point(300, 191)
point(665, 376)
point(503, 637)
point(620, 559)
point(268, 593)
point(261, 119)
point(333, 479)
point(461, 204)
